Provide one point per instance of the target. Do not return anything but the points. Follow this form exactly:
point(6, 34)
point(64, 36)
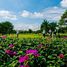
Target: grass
point(26, 35)
point(30, 35)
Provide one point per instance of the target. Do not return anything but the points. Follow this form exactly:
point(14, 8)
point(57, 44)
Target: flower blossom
point(31, 51)
point(23, 58)
point(10, 52)
point(11, 45)
point(61, 55)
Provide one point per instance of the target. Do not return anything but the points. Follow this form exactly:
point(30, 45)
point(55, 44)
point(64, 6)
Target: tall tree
point(6, 27)
point(30, 31)
point(63, 17)
point(53, 26)
point(45, 26)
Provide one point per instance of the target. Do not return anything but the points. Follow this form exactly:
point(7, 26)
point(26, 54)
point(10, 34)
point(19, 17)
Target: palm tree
point(45, 26)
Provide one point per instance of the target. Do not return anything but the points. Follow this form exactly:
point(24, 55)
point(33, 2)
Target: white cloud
point(22, 26)
point(7, 15)
point(37, 15)
point(25, 13)
point(53, 14)
point(64, 3)
point(28, 14)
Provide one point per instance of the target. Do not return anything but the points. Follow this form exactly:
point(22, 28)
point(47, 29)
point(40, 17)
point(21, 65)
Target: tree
point(53, 26)
point(45, 26)
point(48, 26)
point(6, 27)
point(30, 31)
point(62, 23)
point(63, 17)
point(0, 27)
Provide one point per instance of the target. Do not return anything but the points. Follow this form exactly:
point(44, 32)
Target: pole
point(17, 33)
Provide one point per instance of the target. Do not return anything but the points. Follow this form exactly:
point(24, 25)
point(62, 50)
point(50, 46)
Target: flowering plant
point(32, 52)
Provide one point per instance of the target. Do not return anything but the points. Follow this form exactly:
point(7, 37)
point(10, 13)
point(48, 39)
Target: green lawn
point(31, 35)
point(27, 35)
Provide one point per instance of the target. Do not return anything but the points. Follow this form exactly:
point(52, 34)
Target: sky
point(29, 14)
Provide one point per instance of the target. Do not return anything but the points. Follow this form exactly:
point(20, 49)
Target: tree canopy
point(46, 25)
point(6, 27)
point(63, 17)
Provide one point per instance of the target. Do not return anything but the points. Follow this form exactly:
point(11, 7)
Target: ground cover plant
point(36, 52)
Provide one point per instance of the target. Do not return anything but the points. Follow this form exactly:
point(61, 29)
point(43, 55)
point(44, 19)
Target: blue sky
point(26, 14)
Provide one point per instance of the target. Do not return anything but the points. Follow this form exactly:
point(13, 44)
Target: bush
point(32, 52)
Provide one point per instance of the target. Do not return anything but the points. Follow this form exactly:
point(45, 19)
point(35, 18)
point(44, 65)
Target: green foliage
point(6, 27)
point(47, 26)
point(63, 17)
point(53, 26)
point(48, 52)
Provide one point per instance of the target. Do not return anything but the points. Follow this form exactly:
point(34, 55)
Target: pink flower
point(65, 37)
point(36, 55)
point(14, 53)
point(61, 55)
point(11, 45)
point(7, 51)
point(10, 52)
point(3, 36)
point(21, 66)
point(31, 51)
point(23, 58)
